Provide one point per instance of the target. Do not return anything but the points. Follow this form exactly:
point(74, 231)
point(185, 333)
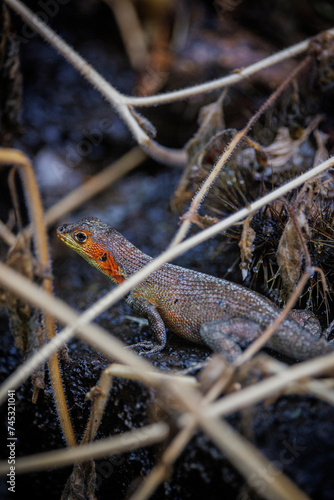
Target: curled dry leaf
point(246, 245)
point(290, 252)
point(82, 482)
point(285, 152)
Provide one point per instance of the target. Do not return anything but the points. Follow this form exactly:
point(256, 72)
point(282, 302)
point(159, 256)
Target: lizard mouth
point(64, 235)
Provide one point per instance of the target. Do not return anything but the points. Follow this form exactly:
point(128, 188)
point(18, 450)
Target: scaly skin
point(195, 306)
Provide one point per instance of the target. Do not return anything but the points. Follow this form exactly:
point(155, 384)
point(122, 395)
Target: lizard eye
point(80, 237)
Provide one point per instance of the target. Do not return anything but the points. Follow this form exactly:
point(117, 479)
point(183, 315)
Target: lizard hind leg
point(230, 336)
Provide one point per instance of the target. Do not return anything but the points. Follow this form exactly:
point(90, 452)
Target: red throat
point(105, 261)
point(108, 266)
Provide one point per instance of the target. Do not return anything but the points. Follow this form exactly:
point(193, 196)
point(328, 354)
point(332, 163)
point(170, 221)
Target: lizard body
point(196, 306)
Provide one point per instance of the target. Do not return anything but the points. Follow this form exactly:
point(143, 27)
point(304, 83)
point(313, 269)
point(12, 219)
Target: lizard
point(199, 307)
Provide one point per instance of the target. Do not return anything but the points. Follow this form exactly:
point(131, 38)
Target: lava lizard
point(198, 307)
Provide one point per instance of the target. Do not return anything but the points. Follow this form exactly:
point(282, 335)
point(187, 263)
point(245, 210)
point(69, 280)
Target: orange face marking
point(83, 243)
point(108, 266)
point(104, 260)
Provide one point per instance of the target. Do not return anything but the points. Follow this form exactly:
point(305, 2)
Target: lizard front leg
point(230, 336)
point(145, 309)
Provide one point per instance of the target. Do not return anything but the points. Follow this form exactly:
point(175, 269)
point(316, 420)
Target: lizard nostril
point(61, 229)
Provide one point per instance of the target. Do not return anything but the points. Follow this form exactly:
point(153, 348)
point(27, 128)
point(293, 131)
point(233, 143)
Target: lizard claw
point(146, 345)
point(149, 348)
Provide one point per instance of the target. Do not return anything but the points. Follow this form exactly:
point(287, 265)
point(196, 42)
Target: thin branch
point(7, 278)
point(95, 185)
point(131, 31)
point(92, 334)
point(161, 471)
point(267, 388)
point(85, 192)
point(100, 393)
point(118, 101)
point(198, 198)
point(318, 388)
point(127, 441)
point(154, 378)
point(247, 459)
point(7, 236)
point(252, 464)
point(237, 76)
point(11, 156)
point(122, 103)
point(322, 389)
point(175, 448)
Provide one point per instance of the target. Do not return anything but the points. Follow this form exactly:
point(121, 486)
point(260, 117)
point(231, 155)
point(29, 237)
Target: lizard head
point(92, 239)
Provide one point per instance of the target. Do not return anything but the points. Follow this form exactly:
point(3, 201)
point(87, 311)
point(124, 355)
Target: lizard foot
point(149, 348)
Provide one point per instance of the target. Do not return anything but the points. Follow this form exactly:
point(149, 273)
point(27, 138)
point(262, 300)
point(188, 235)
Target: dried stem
point(131, 31)
point(235, 77)
point(65, 314)
point(197, 200)
point(113, 445)
point(122, 104)
point(242, 454)
point(7, 236)
point(267, 388)
point(161, 471)
point(95, 185)
point(99, 394)
point(174, 450)
point(323, 389)
point(10, 156)
point(86, 191)
point(118, 101)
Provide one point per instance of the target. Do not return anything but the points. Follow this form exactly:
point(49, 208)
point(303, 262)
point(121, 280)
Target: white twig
point(113, 445)
point(225, 81)
point(92, 334)
point(267, 388)
point(115, 295)
point(119, 102)
point(123, 103)
point(112, 94)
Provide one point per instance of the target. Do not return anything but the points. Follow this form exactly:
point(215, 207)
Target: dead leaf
point(81, 483)
point(246, 245)
point(290, 252)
